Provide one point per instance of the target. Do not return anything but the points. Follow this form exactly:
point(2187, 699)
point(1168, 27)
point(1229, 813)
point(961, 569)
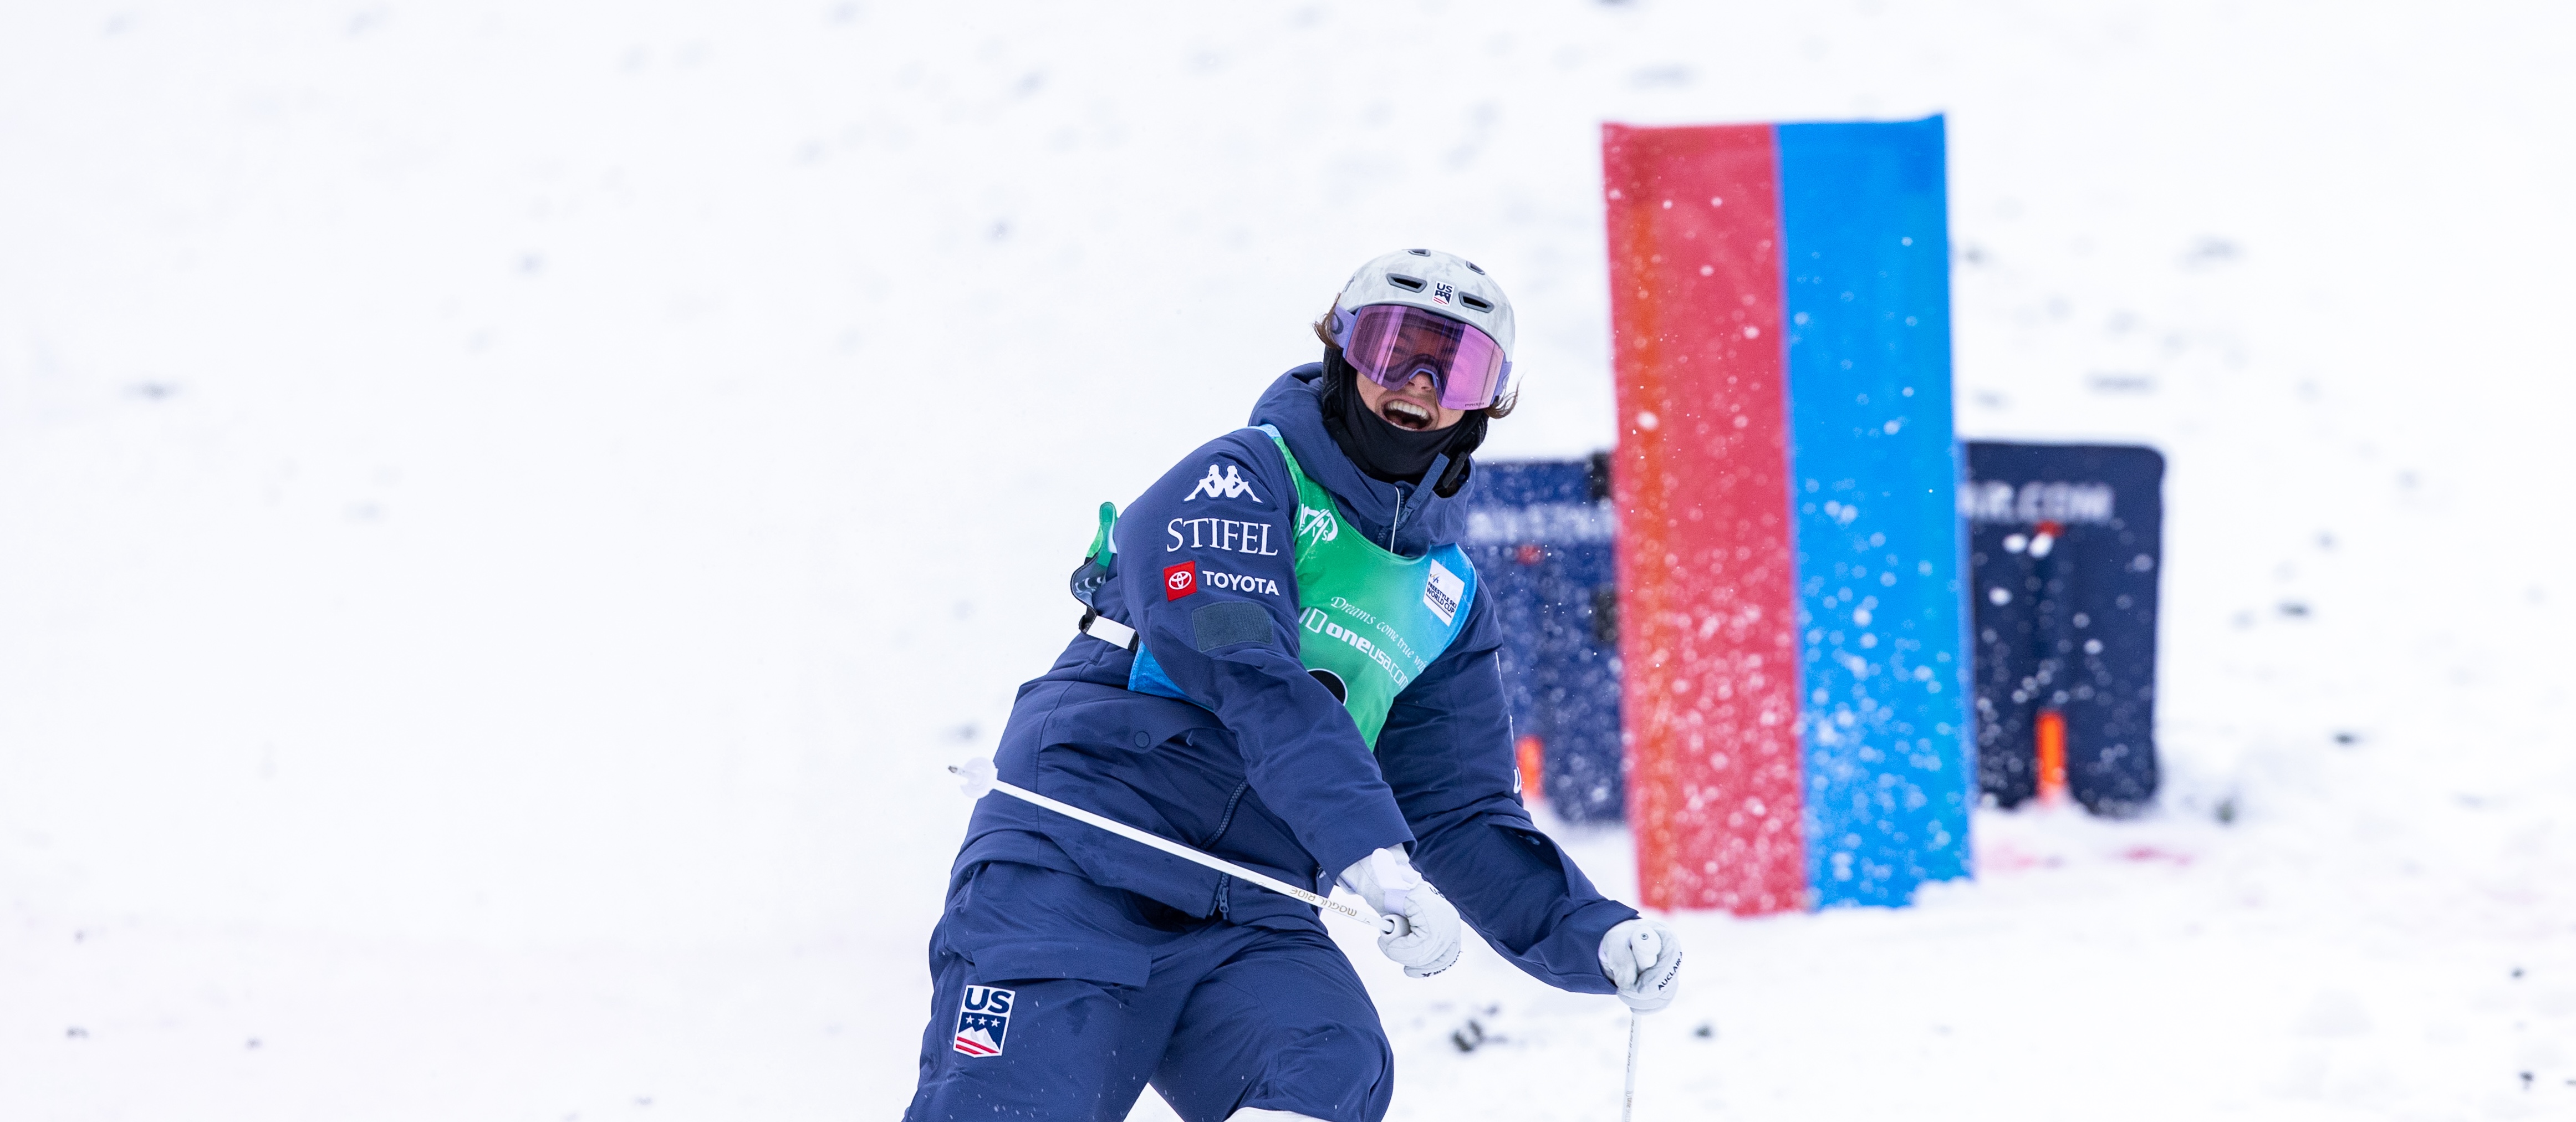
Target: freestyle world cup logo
point(1317, 524)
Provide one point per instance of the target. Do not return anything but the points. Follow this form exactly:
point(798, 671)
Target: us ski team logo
point(1226, 486)
point(1440, 294)
point(983, 1021)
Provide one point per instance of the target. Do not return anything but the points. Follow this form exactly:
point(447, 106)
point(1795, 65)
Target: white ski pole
point(1636, 1021)
point(1628, 1106)
point(981, 780)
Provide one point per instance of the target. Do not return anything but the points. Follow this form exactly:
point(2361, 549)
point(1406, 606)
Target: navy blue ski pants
point(1059, 999)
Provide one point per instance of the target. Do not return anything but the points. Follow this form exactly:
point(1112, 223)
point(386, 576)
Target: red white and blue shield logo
point(983, 1020)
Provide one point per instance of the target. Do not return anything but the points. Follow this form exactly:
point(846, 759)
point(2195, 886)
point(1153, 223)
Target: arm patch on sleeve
point(1229, 621)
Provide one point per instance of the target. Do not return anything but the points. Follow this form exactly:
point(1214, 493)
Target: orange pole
point(2052, 757)
point(1533, 760)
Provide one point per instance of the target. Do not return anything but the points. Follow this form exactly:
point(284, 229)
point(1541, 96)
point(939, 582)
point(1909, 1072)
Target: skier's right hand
point(1387, 881)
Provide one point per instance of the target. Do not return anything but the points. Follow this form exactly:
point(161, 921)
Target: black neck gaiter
point(1380, 449)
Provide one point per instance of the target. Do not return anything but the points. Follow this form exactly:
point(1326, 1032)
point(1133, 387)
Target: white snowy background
point(505, 509)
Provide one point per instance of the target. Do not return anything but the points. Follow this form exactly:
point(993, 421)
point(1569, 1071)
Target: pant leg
point(1041, 1008)
point(1283, 1024)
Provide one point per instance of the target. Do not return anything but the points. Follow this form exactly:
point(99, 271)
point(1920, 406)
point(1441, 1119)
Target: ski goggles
point(1392, 344)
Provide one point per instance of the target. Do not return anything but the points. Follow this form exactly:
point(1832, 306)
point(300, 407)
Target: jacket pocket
point(1103, 962)
point(1117, 721)
point(1539, 851)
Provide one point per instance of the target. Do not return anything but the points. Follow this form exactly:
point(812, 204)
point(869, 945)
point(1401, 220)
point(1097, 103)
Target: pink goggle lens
point(1392, 344)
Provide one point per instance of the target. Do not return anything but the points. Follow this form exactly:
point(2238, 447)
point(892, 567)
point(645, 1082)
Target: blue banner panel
point(1540, 535)
point(2064, 544)
point(1887, 743)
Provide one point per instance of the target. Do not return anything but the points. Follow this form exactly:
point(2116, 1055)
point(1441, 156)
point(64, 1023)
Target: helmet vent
point(1419, 252)
point(1476, 302)
point(1471, 267)
point(1409, 284)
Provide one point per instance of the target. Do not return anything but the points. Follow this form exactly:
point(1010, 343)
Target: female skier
point(1283, 661)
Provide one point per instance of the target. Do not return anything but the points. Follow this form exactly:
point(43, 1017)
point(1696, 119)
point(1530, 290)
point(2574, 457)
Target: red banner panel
point(1708, 634)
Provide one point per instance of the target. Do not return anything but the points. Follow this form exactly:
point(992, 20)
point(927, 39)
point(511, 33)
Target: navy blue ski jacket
point(1266, 769)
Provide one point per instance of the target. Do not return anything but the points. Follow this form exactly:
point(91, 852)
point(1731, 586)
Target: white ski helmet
point(1443, 284)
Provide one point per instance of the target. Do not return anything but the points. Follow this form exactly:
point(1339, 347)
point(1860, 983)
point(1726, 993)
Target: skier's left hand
point(1643, 959)
point(1387, 881)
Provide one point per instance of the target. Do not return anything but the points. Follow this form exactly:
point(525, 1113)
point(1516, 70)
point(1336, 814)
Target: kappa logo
point(1440, 293)
point(1317, 524)
point(1180, 580)
point(1227, 486)
point(983, 1020)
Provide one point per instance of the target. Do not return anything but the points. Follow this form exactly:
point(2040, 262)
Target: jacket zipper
point(1402, 494)
point(1225, 884)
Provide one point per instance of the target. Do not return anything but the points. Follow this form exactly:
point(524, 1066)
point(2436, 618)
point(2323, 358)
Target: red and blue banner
point(1789, 560)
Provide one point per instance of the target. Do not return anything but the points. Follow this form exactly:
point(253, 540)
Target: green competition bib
point(1369, 620)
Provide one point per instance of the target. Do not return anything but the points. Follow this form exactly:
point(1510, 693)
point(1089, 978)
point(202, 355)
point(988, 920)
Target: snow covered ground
point(504, 509)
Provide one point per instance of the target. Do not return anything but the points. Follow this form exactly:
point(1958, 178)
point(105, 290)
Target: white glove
point(1387, 881)
point(1642, 958)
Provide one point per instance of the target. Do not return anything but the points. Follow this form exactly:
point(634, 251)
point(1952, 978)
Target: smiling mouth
point(1405, 414)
